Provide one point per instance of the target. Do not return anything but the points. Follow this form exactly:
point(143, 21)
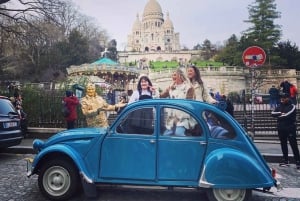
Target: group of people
point(189, 85)
point(285, 87)
point(186, 84)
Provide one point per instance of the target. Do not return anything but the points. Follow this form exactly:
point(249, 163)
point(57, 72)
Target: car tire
point(218, 194)
point(58, 179)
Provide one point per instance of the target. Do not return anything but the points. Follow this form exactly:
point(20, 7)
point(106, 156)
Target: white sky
point(195, 20)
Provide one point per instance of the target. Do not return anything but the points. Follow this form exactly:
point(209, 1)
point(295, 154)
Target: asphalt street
point(15, 186)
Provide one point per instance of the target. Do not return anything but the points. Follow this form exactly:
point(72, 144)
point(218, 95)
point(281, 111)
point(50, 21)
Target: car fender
point(229, 168)
point(62, 150)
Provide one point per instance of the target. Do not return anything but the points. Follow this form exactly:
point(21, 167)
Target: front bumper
point(29, 162)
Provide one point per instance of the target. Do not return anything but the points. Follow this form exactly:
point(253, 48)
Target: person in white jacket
point(201, 92)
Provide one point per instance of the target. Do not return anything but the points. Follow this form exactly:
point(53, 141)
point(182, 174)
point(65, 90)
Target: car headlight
point(38, 144)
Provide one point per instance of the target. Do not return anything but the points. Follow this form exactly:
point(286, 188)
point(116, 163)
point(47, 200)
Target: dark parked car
point(10, 128)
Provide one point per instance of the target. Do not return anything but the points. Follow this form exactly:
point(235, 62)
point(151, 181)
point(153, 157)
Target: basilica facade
point(153, 32)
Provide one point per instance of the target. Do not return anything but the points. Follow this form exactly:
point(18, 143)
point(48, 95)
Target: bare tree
point(20, 12)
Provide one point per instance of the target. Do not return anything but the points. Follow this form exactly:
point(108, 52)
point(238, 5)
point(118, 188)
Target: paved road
point(15, 186)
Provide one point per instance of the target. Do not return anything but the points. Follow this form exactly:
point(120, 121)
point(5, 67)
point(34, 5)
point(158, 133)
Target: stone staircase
point(264, 125)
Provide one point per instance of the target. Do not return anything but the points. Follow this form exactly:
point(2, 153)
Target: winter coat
point(71, 102)
point(286, 116)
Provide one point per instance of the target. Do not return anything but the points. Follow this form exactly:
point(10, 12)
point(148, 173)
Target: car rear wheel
point(229, 194)
point(58, 179)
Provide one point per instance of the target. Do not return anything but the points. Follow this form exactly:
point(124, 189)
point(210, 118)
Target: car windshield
point(6, 107)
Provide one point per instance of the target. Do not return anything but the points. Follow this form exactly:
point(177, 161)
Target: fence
point(263, 125)
point(43, 108)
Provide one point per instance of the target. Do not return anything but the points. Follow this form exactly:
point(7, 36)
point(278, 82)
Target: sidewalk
point(269, 149)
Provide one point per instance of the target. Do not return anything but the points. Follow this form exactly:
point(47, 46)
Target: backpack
point(65, 110)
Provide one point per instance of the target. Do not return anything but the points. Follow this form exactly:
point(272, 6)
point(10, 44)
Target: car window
point(175, 122)
point(218, 126)
point(5, 107)
point(140, 121)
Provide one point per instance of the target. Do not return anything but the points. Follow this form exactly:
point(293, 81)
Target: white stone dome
point(152, 10)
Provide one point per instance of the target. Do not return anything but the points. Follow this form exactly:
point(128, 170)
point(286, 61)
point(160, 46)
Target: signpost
point(253, 57)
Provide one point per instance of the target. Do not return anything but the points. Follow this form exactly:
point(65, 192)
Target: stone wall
point(232, 79)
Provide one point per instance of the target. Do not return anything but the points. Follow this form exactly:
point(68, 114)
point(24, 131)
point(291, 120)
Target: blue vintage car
point(159, 142)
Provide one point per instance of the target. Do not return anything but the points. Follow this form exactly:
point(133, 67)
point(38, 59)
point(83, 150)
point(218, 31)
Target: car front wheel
point(58, 179)
point(229, 194)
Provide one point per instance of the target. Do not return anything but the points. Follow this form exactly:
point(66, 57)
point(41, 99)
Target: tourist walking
point(70, 103)
point(201, 92)
point(285, 113)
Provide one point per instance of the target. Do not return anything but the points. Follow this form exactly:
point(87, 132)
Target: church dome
point(137, 24)
point(152, 10)
point(168, 23)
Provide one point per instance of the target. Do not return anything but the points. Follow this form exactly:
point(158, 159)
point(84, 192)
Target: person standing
point(293, 94)
point(285, 87)
point(180, 89)
point(165, 93)
point(71, 102)
point(110, 97)
point(94, 108)
point(123, 99)
point(144, 90)
point(286, 125)
point(229, 105)
point(201, 92)
point(274, 97)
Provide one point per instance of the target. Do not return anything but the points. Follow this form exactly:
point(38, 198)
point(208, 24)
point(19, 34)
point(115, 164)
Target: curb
point(21, 149)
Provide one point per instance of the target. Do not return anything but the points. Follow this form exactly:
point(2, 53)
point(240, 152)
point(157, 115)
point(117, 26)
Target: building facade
point(154, 32)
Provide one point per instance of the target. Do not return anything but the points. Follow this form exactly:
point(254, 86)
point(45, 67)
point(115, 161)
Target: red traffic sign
point(254, 56)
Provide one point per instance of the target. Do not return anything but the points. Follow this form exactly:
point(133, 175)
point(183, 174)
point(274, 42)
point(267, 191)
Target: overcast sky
point(195, 20)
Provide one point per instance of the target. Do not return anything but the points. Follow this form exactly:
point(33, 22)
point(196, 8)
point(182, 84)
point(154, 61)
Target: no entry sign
point(254, 56)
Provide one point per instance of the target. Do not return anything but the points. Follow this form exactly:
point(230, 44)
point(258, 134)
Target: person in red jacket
point(71, 103)
point(293, 94)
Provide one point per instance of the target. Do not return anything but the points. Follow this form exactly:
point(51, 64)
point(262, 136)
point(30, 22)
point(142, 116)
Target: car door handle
point(202, 143)
point(152, 141)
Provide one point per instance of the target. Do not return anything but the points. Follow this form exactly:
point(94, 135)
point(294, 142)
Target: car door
point(180, 154)
point(130, 152)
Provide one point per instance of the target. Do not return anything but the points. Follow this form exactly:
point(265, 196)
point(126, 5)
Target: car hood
point(70, 136)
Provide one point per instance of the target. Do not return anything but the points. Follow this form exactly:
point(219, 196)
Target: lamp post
point(269, 57)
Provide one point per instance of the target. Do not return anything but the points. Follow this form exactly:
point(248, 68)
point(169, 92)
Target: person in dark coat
point(274, 97)
point(285, 87)
point(286, 125)
point(71, 103)
point(229, 105)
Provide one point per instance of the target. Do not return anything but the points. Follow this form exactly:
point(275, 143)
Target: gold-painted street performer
point(94, 108)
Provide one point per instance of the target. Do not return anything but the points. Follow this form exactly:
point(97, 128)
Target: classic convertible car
point(159, 142)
